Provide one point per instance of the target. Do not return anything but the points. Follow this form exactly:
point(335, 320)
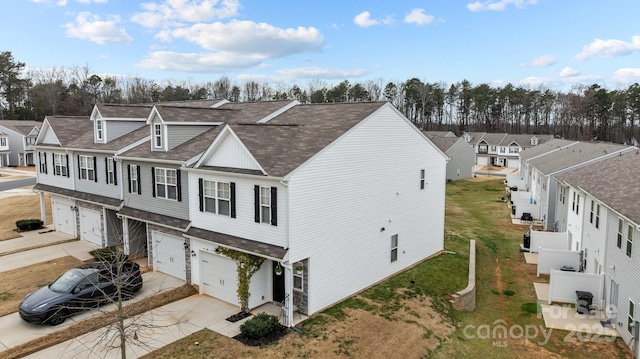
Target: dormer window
point(157, 135)
point(534, 141)
point(99, 130)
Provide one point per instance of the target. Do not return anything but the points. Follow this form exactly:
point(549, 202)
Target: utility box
point(583, 304)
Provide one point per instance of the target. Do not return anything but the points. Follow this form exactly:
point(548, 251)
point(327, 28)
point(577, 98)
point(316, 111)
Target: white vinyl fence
point(563, 286)
point(549, 240)
point(550, 259)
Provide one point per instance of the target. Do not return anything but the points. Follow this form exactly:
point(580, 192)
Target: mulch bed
point(238, 316)
point(266, 340)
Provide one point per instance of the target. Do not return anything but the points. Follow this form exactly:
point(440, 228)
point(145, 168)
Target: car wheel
point(58, 316)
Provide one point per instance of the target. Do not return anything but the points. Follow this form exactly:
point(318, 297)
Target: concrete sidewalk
point(15, 331)
point(31, 239)
point(78, 249)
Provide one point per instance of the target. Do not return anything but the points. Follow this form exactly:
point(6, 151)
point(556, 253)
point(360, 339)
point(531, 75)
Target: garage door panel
point(90, 226)
point(65, 219)
point(219, 277)
point(168, 254)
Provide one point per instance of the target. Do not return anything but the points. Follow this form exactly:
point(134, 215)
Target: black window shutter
point(179, 185)
point(153, 181)
point(68, 169)
point(95, 169)
point(201, 194)
point(256, 204)
point(140, 182)
point(115, 172)
point(129, 174)
point(274, 206)
point(106, 170)
point(78, 167)
point(232, 187)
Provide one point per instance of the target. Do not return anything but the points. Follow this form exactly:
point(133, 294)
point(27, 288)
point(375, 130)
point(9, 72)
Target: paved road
point(4, 186)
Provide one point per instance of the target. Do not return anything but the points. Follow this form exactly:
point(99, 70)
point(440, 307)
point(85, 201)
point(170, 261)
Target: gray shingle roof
point(124, 111)
point(612, 181)
point(70, 128)
point(543, 148)
point(445, 143)
point(89, 197)
point(191, 114)
point(87, 142)
point(290, 139)
point(22, 127)
point(183, 152)
point(242, 244)
point(580, 153)
point(524, 140)
point(151, 217)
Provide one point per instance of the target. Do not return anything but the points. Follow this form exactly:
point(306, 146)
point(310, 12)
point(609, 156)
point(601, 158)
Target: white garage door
point(219, 277)
point(513, 163)
point(64, 217)
point(168, 254)
point(90, 228)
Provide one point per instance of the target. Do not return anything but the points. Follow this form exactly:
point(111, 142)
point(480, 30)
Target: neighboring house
point(77, 165)
point(461, 157)
point(349, 193)
point(4, 150)
point(21, 135)
point(604, 229)
point(501, 149)
point(529, 153)
point(542, 183)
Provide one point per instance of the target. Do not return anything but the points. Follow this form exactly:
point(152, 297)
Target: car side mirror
point(76, 290)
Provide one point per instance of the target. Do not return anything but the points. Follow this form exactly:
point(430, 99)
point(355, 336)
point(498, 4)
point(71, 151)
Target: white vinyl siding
point(385, 155)
point(99, 185)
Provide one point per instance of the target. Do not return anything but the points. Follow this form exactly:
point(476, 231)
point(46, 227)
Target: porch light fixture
point(193, 253)
point(186, 246)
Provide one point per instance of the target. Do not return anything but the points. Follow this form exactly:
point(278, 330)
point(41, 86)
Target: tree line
point(582, 113)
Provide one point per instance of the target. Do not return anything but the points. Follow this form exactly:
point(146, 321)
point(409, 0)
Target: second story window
point(598, 216)
point(619, 241)
point(111, 171)
point(157, 135)
point(43, 162)
point(265, 205)
point(422, 178)
point(60, 165)
point(99, 130)
point(217, 197)
point(134, 179)
point(166, 183)
point(87, 167)
point(3, 142)
point(394, 248)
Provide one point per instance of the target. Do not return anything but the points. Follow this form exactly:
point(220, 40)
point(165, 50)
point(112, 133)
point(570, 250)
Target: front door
point(278, 284)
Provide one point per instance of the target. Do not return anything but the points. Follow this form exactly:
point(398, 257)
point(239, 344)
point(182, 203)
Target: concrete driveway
point(15, 331)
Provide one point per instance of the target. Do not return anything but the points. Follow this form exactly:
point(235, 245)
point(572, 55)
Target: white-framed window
point(3, 142)
point(157, 135)
point(629, 240)
point(298, 278)
point(111, 171)
point(422, 178)
point(514, 149)
point(502, 150)
point(87, 168)
point(598, 215)
point(573, 203)
point(620, 225)
point(99, 129)
point(394, 248)
point(493, 148)
point(134, 183)
point(60, 165)
point(166, 183)
point(482, 148)
point(217, 197)
point(43, 162)
point(265, 205)
point(563, 194)
point(630, 316)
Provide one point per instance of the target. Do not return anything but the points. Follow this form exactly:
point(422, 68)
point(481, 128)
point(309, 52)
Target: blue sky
point(553, 43)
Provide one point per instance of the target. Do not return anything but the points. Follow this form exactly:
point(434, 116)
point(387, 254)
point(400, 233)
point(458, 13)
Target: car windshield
point(67, 281)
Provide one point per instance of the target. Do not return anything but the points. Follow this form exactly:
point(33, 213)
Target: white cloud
point(250, 38)
point(320, 73)
point(626, 75)
point(569, 72)
point(192, 62)
point(542, 61)
point(608, 48)
point(93, 28)
point(171, 12)
point(498, 5)
point(93, 1)
point(364, 20)
point(417, 16)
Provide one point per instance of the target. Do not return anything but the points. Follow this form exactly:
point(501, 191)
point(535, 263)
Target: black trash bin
point(585, 299)
point(526, 241)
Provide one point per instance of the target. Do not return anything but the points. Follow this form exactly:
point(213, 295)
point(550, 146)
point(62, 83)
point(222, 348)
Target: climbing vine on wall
point(246, 265)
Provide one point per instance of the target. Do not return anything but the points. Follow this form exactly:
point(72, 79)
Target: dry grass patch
point(17, 283)
point(20, 207)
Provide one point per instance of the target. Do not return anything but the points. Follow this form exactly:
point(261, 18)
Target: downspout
point(285, 184)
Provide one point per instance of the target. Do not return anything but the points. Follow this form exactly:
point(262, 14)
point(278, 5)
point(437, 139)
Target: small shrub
point(530, 308)
point(509, 293)
point(260, 326)
point(29, 224)
point(109, 254)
